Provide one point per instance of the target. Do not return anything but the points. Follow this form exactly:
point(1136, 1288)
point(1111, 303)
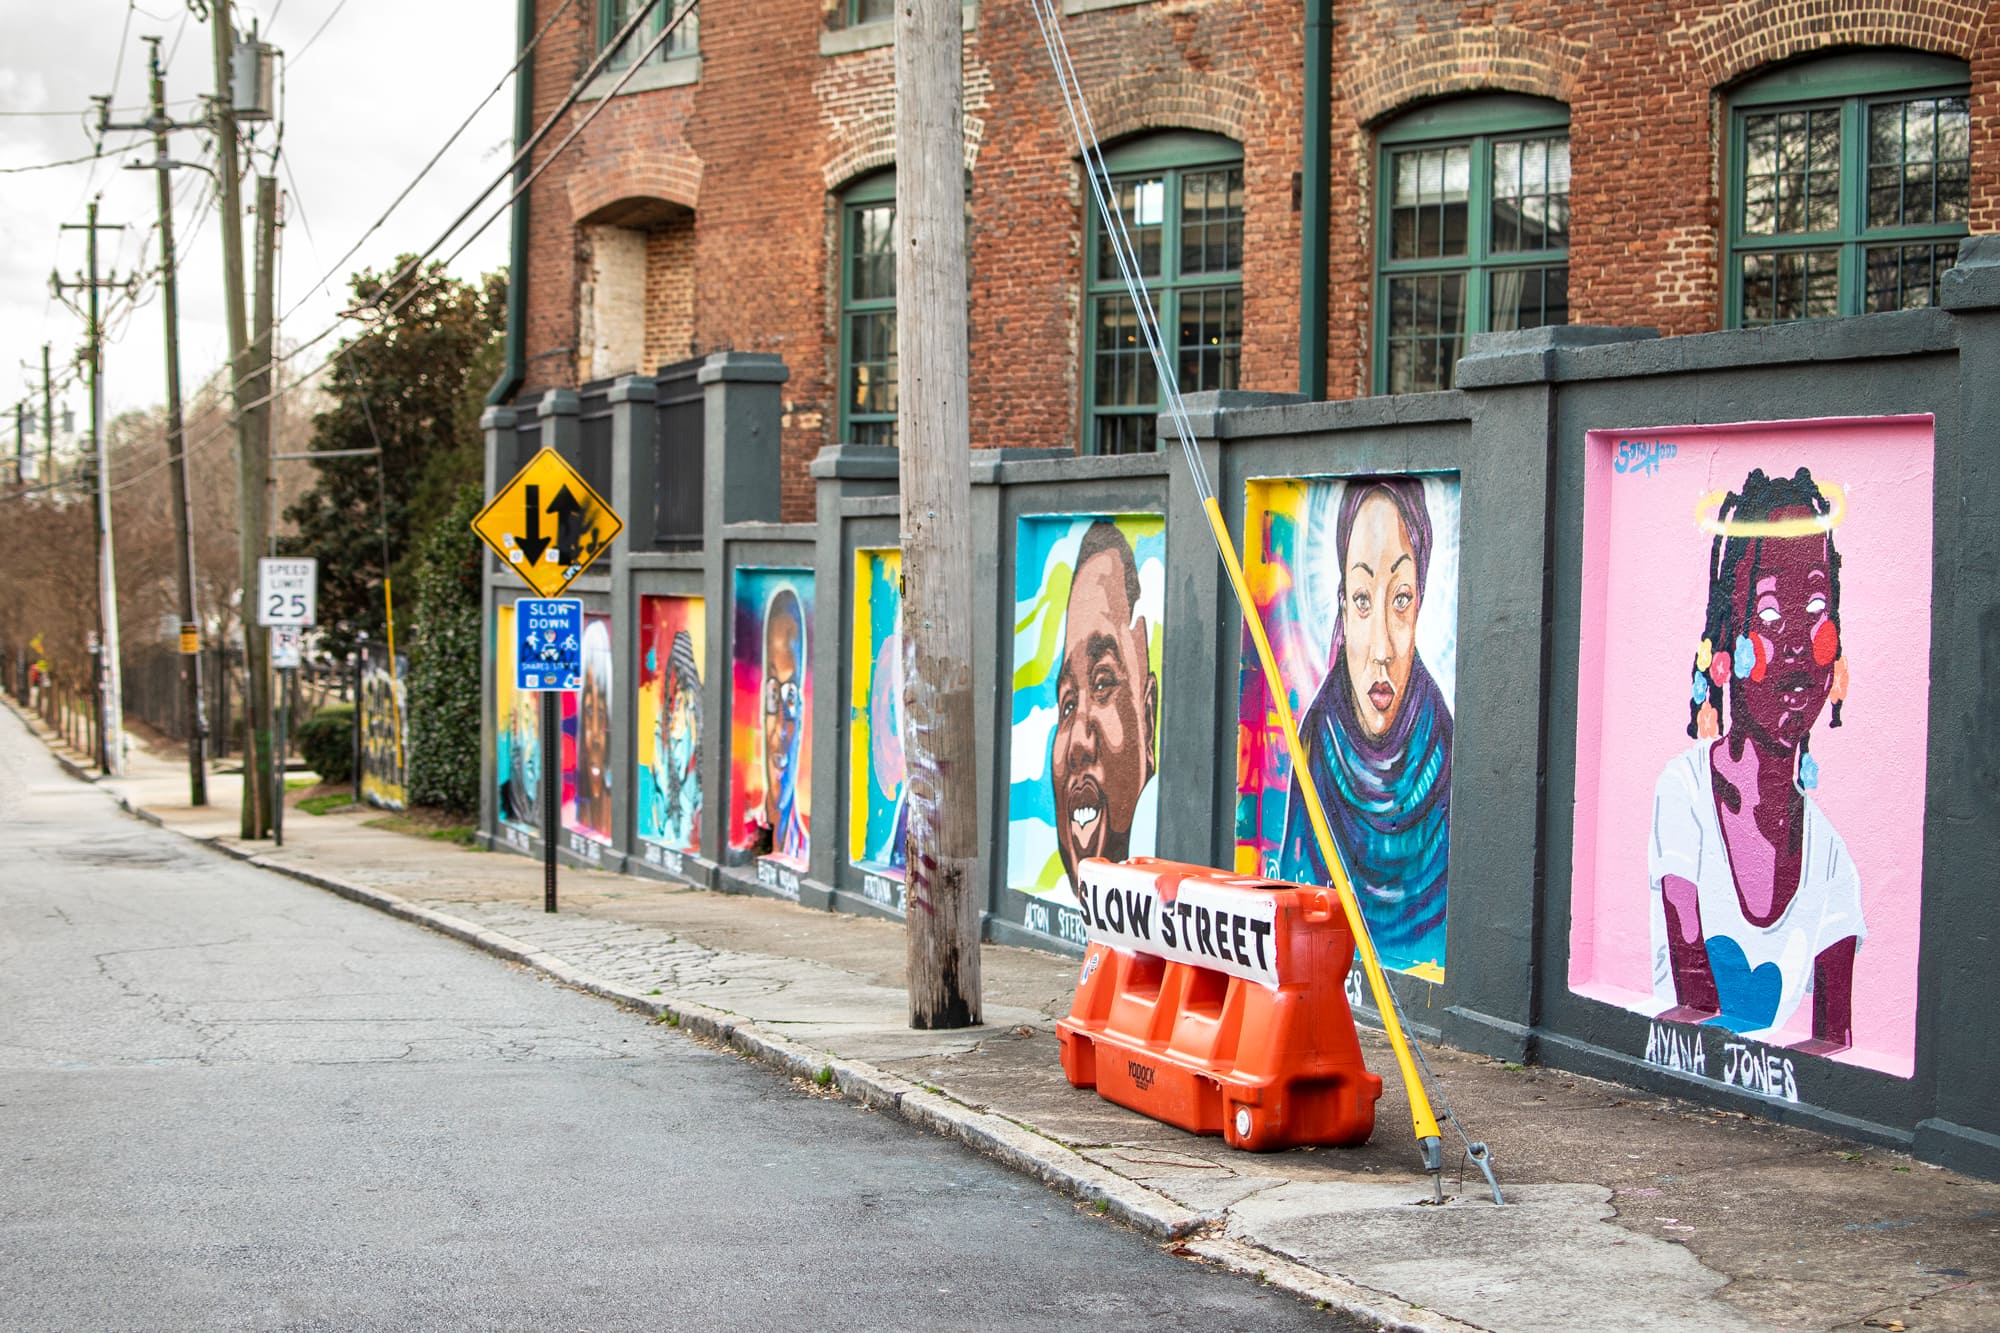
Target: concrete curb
point(1009, 1142)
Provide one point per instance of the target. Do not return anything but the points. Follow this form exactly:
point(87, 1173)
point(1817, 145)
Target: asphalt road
point(230, 1100)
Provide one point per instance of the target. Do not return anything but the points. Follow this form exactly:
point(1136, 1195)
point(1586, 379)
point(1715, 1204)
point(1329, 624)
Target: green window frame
point(1472, 231)
point(615, 14)
point(1849, 186)
point(1181, 195)
point(869, 11)
point(868, 310)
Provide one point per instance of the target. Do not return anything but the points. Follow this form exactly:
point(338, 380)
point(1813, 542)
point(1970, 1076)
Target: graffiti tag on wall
point(385, 739)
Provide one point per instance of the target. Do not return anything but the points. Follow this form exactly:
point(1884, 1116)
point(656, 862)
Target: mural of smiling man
point(1103, 756)
point(770, 754)
point(1085, 745)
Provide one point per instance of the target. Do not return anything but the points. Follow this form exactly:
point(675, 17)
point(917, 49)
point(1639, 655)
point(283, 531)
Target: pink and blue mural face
point(1356, 580)
point(1751, 732)
point(586, 738)
point(770, 809)
point(673, 634)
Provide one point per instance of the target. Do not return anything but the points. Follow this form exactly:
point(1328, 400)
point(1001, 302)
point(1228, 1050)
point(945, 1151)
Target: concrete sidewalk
point(1626, 1210)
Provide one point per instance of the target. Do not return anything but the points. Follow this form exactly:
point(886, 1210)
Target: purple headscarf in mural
point(1388, 798)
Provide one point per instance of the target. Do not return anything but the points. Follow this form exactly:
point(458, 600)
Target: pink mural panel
point(1752, 710)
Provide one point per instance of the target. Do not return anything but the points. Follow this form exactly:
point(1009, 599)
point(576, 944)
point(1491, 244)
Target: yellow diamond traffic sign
point(548, 524)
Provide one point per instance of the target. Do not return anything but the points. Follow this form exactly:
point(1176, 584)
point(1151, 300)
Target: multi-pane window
point(612, 15)
point(869, 11)
point(1850, 186)
point(1474, 232)
point(868, 311)
point(1180, 197)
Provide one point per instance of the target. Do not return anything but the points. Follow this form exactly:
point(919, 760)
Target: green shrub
point(327, 742)
point(444, 662)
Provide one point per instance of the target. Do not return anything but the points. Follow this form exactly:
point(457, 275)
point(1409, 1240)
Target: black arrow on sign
point(534, 543)
point(569, 525)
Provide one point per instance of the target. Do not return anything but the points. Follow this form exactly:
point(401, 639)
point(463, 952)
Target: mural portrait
point(673, 637)
point(385, 720)
point(770, 811)
point(1089, 598)
point(878, 821)
point(517, 731)
point(1356, 581)
point(586, 737)
point(1751, 730)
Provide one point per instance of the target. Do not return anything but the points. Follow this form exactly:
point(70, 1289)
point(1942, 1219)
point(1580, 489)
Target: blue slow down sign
point(550, 652)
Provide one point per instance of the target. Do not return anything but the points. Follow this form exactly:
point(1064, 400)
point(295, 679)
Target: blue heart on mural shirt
point(1748, 996)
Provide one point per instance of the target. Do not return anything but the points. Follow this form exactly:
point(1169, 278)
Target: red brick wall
point(760, 147)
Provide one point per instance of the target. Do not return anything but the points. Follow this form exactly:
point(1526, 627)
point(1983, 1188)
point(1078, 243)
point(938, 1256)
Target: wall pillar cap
point(631, 389)
point(1206, 408)
point(857, 462)
point(751, 367)
point(498, 418)
point(1527, 356)
point(1973, 283)
point(560, 403)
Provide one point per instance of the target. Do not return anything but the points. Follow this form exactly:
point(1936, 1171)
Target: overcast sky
point(369, 97)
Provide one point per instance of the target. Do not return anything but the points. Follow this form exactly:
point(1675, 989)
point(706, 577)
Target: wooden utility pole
point(934, 435)
point(196, 712)
point(251, 463)
point(48, 423)
point(110, 729)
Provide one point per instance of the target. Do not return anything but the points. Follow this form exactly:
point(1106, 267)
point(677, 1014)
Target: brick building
point(1685, 166)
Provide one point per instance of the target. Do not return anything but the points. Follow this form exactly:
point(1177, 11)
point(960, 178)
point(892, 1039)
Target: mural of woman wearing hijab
point(1377, 734)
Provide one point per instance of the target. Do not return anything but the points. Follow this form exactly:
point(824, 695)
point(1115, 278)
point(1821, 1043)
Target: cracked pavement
point(1630, 1210)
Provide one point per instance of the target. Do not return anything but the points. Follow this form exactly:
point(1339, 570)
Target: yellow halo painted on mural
point(1706, 508)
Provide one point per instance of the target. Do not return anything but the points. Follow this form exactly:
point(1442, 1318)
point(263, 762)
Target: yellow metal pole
point(1421, 1114)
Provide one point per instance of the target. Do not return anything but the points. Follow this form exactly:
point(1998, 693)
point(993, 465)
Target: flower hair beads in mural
point(1356, 580)
point(1759, 900)
point(771, 719)
point(1089, 601)
point(673, 634)
point(1744, 860)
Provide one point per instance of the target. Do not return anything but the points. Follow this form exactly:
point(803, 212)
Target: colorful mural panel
point(673, 650)
point(586, 738)
point(1089, 604)
point(1752, 716)
point(770, 806)
point(1356, 581)
point(517, 733)
point(877, 820)
point(385, 740)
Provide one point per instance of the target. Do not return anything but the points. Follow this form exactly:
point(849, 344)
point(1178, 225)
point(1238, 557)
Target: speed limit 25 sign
point(287, 591)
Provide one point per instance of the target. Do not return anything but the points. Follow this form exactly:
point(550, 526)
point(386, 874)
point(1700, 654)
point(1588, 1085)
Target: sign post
point(287, 602)
point(548, 524)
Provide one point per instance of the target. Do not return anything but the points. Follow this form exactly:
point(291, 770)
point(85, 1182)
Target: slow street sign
point(287, 591)
point(548, 524)
point(550, 653)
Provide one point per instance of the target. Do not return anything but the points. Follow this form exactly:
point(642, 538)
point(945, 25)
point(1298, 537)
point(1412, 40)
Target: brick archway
point(1748, 36)
point(674, 179)
point(868, 144)
point(1187, 100)
point(1462, 60)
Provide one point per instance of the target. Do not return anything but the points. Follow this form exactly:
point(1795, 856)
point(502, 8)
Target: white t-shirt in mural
point(1761, 972)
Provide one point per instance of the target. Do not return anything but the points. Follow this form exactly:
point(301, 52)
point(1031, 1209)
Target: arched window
point(1181, 195)
point(1472, 231)
point(1849, 181)
point(868, 310)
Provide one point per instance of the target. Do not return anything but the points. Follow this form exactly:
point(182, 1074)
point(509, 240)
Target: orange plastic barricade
point(1217, 1002)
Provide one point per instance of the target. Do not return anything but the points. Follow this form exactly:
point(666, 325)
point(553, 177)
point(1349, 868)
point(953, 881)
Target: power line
point(375, 226)
point(44, 166)
point(297, 55)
